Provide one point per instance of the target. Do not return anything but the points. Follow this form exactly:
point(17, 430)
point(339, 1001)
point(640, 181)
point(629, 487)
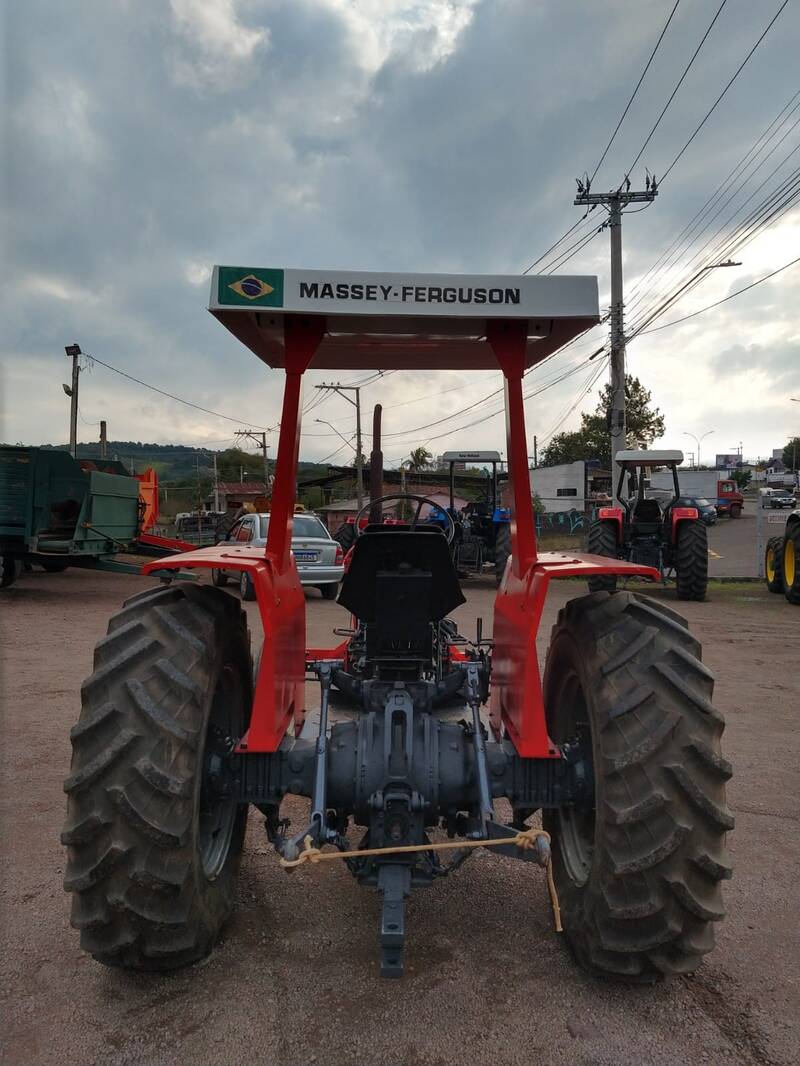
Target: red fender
point(682, 514)
point(612, 514)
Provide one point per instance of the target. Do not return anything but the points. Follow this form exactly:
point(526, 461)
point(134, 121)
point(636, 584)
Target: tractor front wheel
point(219, 579)
point(53, 566)
point(153, 846)
point(603, 541)
point(345, 535)
point(502, 551)
point(773, 564)
point(691, 560)
point(9, 570)
point(639, 867)
point(791, 563)
point(247, 589)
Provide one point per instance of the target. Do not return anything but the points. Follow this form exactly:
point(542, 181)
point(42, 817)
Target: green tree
point(742, 478)
point(791, 454)
point(234, 462)
point(592, 441)
point(419, 459)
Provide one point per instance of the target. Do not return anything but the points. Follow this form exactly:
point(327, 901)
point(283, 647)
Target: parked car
point(319, 559)
point(777, 498)
point(707, 510)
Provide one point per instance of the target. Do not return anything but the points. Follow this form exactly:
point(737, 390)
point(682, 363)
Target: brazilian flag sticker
point(243, 286)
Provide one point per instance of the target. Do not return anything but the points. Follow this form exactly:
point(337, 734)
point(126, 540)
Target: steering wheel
point(449, 532)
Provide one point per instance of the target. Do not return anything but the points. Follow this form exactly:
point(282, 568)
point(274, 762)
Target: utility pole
point(74, 353)
point(216, 485)
point(343, 390)
point(261, 440)
point(376, 466)
point(535, 452)
point(615, 202)
point(103, 440)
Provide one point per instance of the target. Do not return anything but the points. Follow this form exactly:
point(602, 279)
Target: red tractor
point(616, 742)
point(664, 531)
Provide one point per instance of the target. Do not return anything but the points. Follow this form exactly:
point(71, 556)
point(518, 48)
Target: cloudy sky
point(145, 140)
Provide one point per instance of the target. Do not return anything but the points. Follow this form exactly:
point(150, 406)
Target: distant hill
point(175, 463)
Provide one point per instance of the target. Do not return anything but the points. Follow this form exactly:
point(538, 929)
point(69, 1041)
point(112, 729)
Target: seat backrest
point(647, 511)
point(387, 550)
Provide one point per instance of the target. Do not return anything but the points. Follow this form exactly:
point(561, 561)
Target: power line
point(672, 249)
point(635, 91)
point(733, 79)
point(565, 258)
point(725, 299)
point(768, 211)
point(228, 418)
point(686, 70)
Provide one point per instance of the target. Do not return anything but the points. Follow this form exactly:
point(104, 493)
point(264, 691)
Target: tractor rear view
point(609, 758)
point(666, 534)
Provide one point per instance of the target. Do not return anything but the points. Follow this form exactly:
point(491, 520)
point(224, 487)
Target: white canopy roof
point(398, 320)
point(651, 458)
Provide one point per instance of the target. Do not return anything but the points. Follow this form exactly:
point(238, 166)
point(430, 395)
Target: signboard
point(471, 457)
point(728, 462)
point(453, 295)
point(402, 321)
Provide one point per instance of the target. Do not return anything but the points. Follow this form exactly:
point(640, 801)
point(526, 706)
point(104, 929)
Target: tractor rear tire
point(502, 551)
point(603, 541)
point(638, 872)
point(329, 592)
point(773, 565)
point(153, 852)
point(691, 560)
point(219, 579)
point(791, 563)
point(53, 566)
point(345, 535)
point(9, 570)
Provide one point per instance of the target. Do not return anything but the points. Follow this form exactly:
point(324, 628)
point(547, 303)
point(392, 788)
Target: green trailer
point(56, 511)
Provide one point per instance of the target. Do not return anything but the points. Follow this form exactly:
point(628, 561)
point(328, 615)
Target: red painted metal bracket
point(279, 692)
point(517, 703)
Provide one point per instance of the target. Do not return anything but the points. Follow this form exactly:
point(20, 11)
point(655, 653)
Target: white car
point(319, 558)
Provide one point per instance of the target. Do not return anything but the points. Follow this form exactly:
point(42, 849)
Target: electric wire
point(724, 91)
point(725, 299)
point(766, 213)
point(672, 95)
point(673, 248)
point(635, 91)
point(179, 399)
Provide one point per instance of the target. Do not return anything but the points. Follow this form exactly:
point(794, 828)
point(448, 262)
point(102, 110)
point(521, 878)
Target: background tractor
point(57, 512)
point(484, 533)
point(782, 560)
point(666, 533)
point(616, 743)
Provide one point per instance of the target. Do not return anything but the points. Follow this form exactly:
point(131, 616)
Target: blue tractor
point(483, 530)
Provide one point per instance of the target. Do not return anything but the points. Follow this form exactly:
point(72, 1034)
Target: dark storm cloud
point(147, 141)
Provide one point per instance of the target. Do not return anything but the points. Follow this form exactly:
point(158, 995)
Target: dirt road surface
point(295, 980)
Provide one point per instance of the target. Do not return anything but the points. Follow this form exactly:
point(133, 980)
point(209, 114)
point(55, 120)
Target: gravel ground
point(294, 980)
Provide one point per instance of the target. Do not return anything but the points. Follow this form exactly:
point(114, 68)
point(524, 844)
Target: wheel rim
point(243, 583)
point(770, 565)
point(576, 825)
point(789, 562)
point(217, 815)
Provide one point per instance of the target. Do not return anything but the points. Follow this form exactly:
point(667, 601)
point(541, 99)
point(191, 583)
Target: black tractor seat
point(647, 517)
point(395, 571)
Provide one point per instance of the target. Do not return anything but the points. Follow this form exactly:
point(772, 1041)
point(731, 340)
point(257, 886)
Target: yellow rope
point(525, 839)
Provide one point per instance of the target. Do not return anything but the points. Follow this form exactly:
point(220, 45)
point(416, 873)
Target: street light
point(322, 422)
point(660, 310)
point(697, 440)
